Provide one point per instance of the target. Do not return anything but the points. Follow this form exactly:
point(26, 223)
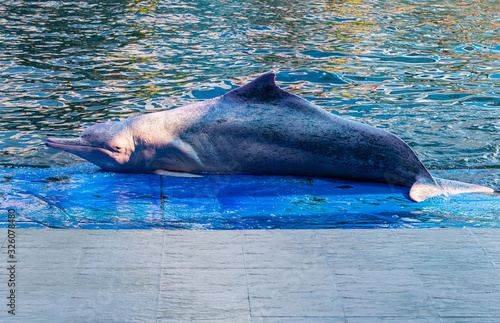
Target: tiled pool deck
point(382, 275)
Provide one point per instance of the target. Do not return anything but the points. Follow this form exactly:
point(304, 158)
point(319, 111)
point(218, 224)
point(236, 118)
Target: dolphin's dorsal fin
point(262, 89)
point(425, 188)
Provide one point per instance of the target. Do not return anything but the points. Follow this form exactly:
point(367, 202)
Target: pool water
point(427, 71)
point(84, 196)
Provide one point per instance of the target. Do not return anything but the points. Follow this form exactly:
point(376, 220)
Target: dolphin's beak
point(71, 145)
point(80, 147)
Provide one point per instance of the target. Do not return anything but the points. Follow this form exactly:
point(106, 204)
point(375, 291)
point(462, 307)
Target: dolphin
point(257, 129)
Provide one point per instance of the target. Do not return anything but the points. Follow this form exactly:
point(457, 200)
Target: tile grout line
point(77, 263)
point(4, 240)
point(481, 246)
point(242, 233)
point(158, 294)
point(162, 204)
point(393, 233)
point(164, 233)
point(330, 271)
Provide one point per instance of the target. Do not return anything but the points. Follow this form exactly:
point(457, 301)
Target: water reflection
point(425, 70)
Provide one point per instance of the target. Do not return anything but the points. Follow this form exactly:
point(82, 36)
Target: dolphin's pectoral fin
point(425, 188)
point(175, 174)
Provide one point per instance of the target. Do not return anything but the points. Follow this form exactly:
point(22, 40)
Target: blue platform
point(84, 196)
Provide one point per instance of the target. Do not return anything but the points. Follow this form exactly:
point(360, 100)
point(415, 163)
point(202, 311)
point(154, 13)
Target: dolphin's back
point(262, 129)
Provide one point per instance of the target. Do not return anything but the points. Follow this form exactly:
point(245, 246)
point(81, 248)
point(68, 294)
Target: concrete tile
point(367, 260)
point(485, 232)
point(377, 280)
point(489, 240)
point(394, 293)
point(50, 238)
point(454, 270)
point(391, 319)
point(56, 279)
point(202, 306)
point(3, 237)
point(456, 319)
point(444, 237)
point(205, 249)
point(465, 279)
point(293, 292)
point(243, 319)
point(282, 249)
point(203, 280)
point(297, 319)
point(474, 307)
point(197, 293)
point(465, 293)
point(402, 304)
point(45, 259)
point(373, 276)
point(101, 305)
point(448, 275)
point(120, 258)
point(43, 305)
point(113, 249)
point(292, 237)
point(334, 238)
point(116, 279)
point(133, 239)
point(288, 276)
point(445, 249)
point(47, 250)
point(363, 249)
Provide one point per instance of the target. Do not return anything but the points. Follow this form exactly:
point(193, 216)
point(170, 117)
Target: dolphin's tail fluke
point(425, 188)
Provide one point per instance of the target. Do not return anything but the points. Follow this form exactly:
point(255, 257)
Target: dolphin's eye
point(113, 148)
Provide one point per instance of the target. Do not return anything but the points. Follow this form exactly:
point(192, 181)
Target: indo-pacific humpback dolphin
point(257, 129)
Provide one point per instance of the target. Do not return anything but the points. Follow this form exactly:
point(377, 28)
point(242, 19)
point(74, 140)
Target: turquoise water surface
point(427, 71)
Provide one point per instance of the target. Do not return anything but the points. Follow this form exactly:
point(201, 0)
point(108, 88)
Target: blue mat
point(86, 197)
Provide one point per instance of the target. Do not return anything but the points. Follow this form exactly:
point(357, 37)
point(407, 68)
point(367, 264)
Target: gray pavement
point(382, 275)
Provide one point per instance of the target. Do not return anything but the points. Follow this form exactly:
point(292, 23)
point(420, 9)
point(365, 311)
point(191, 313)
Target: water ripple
point(427, 71)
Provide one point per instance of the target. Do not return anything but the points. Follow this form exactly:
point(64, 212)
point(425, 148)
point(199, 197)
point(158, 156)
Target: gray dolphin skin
point(257, 129)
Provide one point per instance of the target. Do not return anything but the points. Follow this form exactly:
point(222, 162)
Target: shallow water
point(427, 71)
point(84, 196)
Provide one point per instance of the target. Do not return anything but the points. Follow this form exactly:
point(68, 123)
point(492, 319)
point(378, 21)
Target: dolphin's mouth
point(72, 145)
